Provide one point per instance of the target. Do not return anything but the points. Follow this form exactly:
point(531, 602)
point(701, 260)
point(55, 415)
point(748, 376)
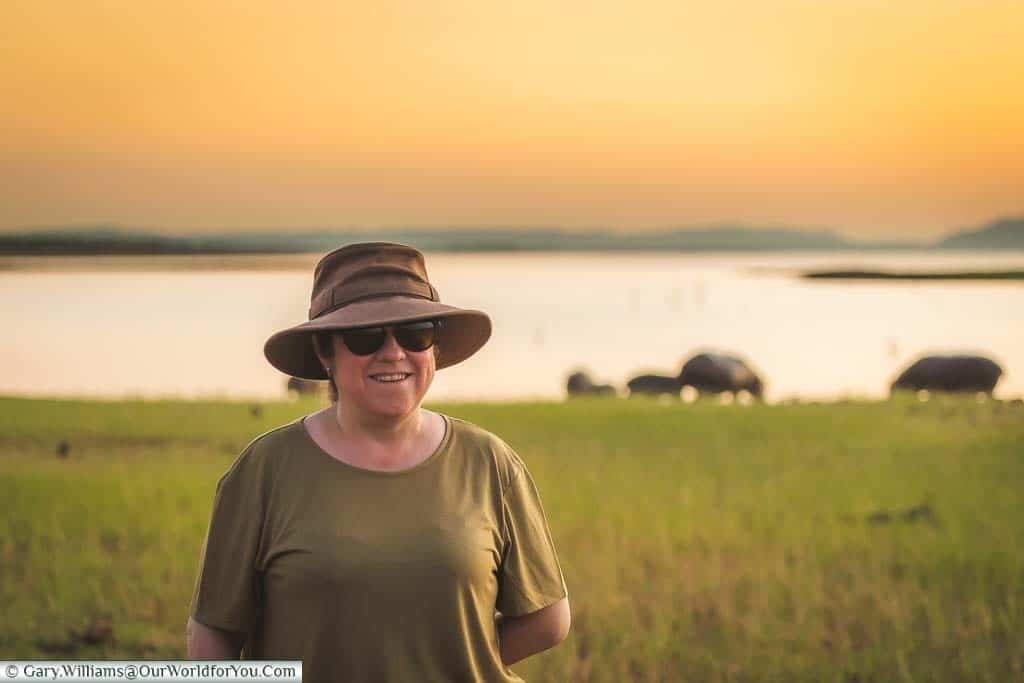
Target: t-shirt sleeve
point(225, 594)
point(530, 576)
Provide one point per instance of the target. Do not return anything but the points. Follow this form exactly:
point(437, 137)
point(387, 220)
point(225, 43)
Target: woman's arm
point(520, 637)
point(205, 642)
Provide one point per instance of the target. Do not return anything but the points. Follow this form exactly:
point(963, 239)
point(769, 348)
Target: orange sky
point(880, 119)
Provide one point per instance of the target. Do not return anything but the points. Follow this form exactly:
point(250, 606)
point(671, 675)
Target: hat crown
point(372, 284)
point(368, 270)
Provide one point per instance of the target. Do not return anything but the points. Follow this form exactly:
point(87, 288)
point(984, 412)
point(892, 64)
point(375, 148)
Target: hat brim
point(463, 331)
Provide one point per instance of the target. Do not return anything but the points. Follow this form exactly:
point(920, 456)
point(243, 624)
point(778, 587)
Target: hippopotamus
point(716, 373)
point(580, 384)
point(305, 387)
point(654, 385)
point(949, 373)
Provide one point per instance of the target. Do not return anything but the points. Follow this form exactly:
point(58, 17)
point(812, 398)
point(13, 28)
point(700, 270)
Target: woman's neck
point(384, 446)
point(353, 427)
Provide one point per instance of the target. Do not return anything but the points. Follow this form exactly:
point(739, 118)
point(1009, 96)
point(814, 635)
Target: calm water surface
point(195, 326)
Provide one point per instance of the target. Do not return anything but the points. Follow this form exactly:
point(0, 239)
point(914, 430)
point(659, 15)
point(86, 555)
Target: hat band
point(343, 296)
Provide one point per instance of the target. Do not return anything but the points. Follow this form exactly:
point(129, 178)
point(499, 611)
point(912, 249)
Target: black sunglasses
point(414, 336)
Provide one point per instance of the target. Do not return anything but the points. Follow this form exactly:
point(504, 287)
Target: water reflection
point(194, 326)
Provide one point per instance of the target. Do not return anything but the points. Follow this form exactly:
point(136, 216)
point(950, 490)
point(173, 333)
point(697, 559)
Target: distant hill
point(104, 240)
point(1004, 233)
point(113, 240)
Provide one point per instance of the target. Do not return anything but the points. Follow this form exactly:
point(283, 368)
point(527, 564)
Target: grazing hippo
point(580, 384)
point(950, 373)
point(305, 387)
point(715, 373)
point(654, 385)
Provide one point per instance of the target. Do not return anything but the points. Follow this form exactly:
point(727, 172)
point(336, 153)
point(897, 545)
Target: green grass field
point(700, 542)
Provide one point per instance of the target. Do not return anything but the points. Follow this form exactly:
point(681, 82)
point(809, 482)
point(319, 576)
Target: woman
point(374, 539)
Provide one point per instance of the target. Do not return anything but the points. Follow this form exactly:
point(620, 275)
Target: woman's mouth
point(390, 378)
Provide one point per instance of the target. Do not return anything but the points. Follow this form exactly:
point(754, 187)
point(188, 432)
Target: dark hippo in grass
point(715, 373)
point(960, 374)
point(654, 385)
point(305, 387)
point(580, 384)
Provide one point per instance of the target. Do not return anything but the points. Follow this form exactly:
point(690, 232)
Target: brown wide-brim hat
point(369, 284)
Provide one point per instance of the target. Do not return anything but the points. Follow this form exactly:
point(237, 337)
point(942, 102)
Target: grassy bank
point(700, 542)
point(878, 275)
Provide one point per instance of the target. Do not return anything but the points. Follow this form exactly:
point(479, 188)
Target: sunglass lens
point(418, 336)
point(365, 341)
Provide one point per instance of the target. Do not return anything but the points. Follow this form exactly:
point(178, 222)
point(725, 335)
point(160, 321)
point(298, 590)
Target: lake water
point(195, 326)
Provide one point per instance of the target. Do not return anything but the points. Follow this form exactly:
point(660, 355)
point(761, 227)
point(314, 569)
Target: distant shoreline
point(151, 262)
point(879, 275)
point(105, 240)
point(7, 250)
point(287, 261)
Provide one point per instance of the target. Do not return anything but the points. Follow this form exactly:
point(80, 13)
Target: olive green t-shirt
point(377, 576)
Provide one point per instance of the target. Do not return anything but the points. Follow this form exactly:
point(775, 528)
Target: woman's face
point(390, 382)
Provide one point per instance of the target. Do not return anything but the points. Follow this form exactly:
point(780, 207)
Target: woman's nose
point(391, 350)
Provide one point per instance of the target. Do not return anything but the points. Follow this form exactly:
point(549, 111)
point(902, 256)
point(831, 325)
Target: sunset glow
point(878, 119)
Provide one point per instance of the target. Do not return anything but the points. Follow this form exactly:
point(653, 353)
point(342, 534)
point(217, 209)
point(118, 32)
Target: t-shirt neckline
point(436, 455)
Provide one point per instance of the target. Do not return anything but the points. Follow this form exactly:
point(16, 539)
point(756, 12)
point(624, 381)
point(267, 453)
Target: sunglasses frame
point(396, 331)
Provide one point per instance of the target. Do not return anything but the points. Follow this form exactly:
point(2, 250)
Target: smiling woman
point(416, 336)
point(389, 381)
point(375, 540)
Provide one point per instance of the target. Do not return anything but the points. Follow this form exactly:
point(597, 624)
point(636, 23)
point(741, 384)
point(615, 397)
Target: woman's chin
point(389, 400)
point(393, 407)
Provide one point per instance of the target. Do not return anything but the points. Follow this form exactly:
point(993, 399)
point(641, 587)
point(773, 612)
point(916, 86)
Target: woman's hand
point(205, 642)
point(520, 637)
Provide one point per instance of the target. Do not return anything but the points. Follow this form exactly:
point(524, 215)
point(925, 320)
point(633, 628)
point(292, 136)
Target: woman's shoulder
point(473, 438)
point(261, 454)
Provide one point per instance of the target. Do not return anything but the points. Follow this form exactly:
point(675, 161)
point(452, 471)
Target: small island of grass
point(880, 275)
